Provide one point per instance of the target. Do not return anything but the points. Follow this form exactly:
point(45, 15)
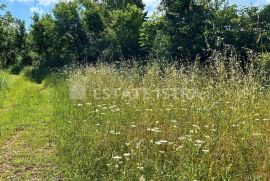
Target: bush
point(16, 69)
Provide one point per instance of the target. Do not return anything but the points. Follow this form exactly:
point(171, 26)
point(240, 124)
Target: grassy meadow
point(136, 124)
point(133, 125)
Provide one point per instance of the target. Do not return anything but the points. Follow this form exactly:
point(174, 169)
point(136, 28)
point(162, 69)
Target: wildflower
point(205, 151)
point(180, 147)
point(115, 133)
point(173, 121)
point(112, 107)
point(142, 178)
point(161, 142)
point(138, 145)
point(79, 105)
point(199, 142)
point(161, 151)
point(116, 157)
point(126, 154)
point(257, 134)
point(133, 126)
point(196, 126)
point(156, 130)
point(117, 110)
point(182, 138)
point(235, 125)
point(193, 131)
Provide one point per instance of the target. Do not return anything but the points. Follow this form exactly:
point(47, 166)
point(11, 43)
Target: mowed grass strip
point(27, 149)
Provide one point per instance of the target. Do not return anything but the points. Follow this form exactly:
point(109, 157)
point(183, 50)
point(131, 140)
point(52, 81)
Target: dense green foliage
point(84, 31)
point(12, 44)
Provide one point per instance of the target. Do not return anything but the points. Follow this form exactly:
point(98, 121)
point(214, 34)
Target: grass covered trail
point(26, 148)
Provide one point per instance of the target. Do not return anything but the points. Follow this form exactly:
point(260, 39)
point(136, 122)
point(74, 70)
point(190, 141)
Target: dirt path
point(27, 151)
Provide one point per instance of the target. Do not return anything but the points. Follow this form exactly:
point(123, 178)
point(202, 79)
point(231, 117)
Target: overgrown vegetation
point(181, 125)
point(181, 95)
point(183, 31)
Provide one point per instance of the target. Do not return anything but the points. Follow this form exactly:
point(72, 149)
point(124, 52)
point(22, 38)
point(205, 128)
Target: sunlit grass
point(3, 87)
point(217, 127)
point(26, 136)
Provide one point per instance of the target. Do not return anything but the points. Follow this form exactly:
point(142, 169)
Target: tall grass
point(3, 87)
point(3, 82)
point(215, 127)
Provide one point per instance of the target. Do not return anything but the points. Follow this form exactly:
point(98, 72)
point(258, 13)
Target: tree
point(264, 28)
point(123, 31)
point(69, 32)
point(12, 39)
point(122, 4)
point(186, 22)
point(153, 41)
point(93, 26)
point(42, 40)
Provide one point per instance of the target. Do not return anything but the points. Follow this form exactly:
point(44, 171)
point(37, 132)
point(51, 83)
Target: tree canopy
point(83, 31)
